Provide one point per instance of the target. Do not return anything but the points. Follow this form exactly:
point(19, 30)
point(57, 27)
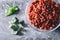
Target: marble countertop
point(30, 34)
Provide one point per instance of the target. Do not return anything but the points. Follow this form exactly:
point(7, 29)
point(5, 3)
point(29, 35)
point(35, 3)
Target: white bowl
point(32, 25)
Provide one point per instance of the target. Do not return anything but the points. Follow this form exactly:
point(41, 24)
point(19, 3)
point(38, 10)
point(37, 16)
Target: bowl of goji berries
point(43, 14)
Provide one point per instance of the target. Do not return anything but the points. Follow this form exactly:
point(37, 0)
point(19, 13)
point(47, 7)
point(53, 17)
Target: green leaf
point(14, 27)
point(21, 22)
point(11, 10)
point(14, 20)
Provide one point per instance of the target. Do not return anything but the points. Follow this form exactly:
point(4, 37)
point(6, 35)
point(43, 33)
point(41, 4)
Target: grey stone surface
point(30, 34)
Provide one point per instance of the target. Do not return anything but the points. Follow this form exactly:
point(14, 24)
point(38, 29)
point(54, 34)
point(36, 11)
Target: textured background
point(29, 34)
